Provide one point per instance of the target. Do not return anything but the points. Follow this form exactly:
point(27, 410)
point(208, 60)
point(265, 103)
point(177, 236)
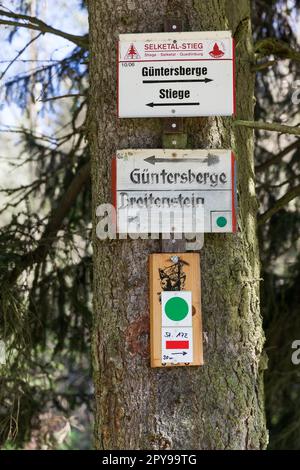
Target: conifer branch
point(263, 65)
point(55, 221)
point(268, 126)
point(69, 95)
point(279, 204)
point(276, 158)
point(31, 22)
point(18, 55)
point(276, 47)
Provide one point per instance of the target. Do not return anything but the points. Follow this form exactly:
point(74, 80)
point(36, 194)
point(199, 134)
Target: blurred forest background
point(46, 396)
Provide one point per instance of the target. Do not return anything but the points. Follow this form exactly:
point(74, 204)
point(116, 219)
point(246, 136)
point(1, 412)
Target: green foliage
point(45, 273)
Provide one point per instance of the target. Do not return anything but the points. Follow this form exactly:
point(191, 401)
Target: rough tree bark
point(220, 405)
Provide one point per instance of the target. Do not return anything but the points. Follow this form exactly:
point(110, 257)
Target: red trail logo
point(132, 53)
point(216, 52)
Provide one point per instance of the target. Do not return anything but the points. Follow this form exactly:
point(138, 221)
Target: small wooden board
point(167, 275)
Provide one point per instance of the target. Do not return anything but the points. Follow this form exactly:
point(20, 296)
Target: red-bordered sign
point(176, 74)
point(210, 175)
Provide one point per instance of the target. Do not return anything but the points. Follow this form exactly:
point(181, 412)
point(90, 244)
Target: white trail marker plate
point(155, 183)
point(176, 74)
point(177, 327)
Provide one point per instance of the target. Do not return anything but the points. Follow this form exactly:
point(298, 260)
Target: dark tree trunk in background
point(220, 405)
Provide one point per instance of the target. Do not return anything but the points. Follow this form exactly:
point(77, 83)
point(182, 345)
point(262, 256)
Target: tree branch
point(276, 158)
point(55, 221)
point(276, 47)
point(289, 196)
point(39, 25)
point(269, 126)
point(263, 66)
point(18, 55)
point(69, 95)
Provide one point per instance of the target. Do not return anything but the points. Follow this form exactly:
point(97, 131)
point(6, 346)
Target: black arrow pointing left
point(171, 104)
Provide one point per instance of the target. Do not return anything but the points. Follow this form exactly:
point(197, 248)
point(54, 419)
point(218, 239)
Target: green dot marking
point(221, 221)
point(176, 308)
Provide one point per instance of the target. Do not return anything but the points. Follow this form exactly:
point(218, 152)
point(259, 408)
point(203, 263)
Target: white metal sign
point(156, 188)
point(176, 74)
point(177, 327)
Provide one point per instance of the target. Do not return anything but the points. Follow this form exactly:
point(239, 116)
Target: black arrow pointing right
point(183, 353)
point(204, 80)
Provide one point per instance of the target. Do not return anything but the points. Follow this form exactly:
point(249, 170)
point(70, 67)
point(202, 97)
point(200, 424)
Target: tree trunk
point(219, 405)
